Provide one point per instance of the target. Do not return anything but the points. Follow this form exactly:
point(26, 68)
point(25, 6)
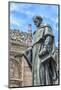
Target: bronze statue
point(43, 54)
point(43, 62)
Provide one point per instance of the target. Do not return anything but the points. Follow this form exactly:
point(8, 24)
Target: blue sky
point(21, 15)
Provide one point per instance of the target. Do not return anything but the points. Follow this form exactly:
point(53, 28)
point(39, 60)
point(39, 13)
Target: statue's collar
point(41, 26)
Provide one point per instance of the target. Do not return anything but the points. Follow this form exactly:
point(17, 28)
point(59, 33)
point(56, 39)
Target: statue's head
point(37, 20)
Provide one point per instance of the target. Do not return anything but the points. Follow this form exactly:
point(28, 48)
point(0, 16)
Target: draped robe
point(43, 61)
point(42, 55)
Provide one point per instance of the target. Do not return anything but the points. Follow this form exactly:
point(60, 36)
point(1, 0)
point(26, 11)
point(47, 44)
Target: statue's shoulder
point(40, 28)
point(46, 26)
point(48, 29)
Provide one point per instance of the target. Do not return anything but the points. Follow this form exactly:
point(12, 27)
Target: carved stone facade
point(20, 73)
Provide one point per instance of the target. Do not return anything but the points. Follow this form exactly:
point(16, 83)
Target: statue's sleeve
point(48, 42)
point(49, 39)
point(48, 48)
point(47, 51)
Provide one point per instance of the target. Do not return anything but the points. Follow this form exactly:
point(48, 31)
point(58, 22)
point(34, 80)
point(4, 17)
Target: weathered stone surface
point(20, 73)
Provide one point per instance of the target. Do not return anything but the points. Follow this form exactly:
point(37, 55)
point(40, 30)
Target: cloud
point(19, 7)
point(14, 21)
point(13, 7)
point(27, 9)
point(17, 22)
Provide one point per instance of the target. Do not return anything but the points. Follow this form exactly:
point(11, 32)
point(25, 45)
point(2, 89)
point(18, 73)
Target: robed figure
point(43, 55)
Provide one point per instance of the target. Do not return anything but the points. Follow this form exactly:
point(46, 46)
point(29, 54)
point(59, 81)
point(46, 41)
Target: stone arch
point(14, 68)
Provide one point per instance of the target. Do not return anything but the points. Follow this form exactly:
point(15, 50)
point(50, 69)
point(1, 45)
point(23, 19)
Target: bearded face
point(37, 20)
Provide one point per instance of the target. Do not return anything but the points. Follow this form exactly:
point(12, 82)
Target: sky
point(21, 15)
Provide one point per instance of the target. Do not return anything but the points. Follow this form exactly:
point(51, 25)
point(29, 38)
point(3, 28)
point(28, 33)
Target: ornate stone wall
point(20, 73)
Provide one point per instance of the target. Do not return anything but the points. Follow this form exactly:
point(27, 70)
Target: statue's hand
point(42, 52)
